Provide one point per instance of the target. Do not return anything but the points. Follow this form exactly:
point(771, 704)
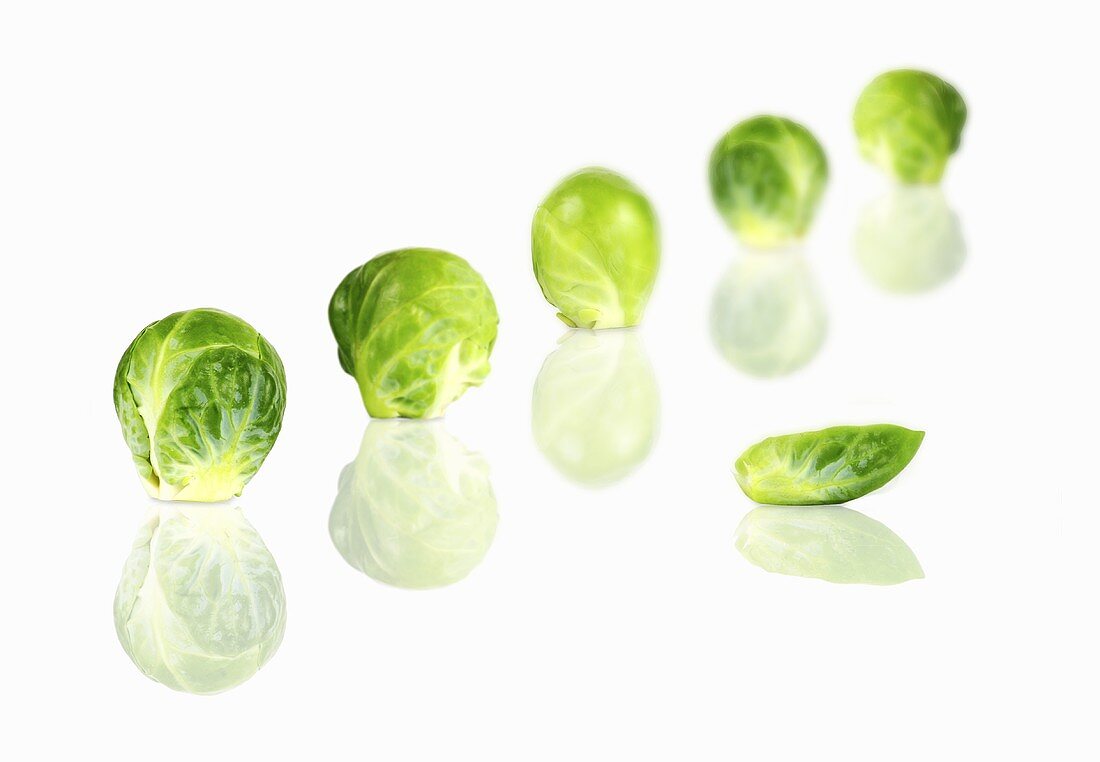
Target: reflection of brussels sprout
point(766, 317)
point(415, 328)
point(415, 508)
point(596, 407)
point(200, 396)
point(200, 606)
point(909, 123)
point(767, 175)
point(910, 240)
point(832, 543)
point(595, 248)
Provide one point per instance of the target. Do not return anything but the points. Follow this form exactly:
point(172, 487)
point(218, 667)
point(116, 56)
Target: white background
point(156, 157)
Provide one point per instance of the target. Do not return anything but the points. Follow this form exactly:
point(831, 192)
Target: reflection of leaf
point(415, 509)
point(766, 317)
point(910, 240)
point(596, 408)
point(832, 543)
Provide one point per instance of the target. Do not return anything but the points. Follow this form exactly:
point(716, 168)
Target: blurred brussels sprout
point(200, 607)
point(415, 509)
point(415, 327)
point(910, 240)
point(766, 316)
point(200, 396)
point(831, 543)
point(596, 408)
point(595, 248)
point(909, 123)
point(767, 175)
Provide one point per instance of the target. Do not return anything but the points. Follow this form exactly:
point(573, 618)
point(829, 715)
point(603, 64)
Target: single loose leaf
point(824, 467)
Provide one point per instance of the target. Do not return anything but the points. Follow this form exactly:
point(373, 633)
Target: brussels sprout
point(829, 466)
point(909, 123)
point(200, 396)
point(766, 317)
point(200, 607)
point(596, 408)
point(595, 248)
point(415, 508)
point(415, 328)
point(832, 543)
point(767, 175)
point(910, 240)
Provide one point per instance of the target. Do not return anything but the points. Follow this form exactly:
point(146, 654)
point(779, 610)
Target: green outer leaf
point(909, 123)
point(133, 427)
point(831, 543)
point(184, 396)
point(595, 249)
point(219, 424)
point(767, 176)
point(415, 328)
point(833, 465)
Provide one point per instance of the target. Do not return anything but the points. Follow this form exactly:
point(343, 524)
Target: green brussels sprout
point(909, 123)
point(596, 408)
point(767, 175)
point(415, 509)
point(910, 240)
point(595, 247)
point(415, 328)
point(825, 467)
point(766, 316)
point(831, 543)
point(200, 607)
point(200, 396)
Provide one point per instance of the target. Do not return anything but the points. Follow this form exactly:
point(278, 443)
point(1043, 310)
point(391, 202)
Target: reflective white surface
point(247, 156)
